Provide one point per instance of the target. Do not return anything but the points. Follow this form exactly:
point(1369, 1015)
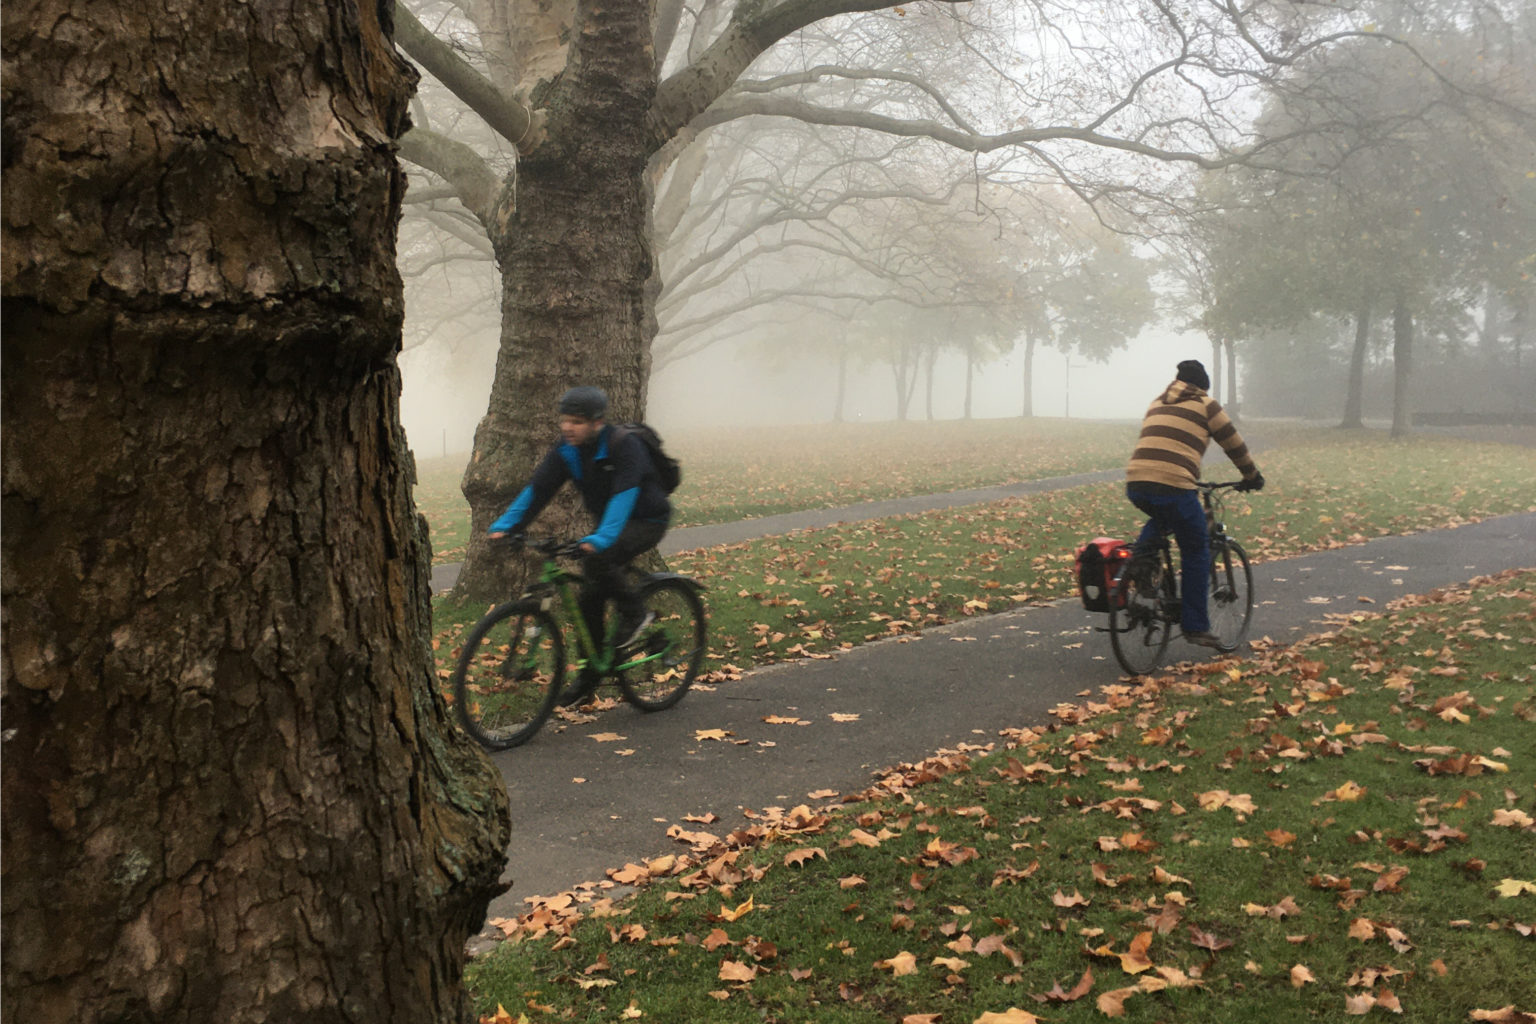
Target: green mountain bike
point(513, 665)
point(1145, 608)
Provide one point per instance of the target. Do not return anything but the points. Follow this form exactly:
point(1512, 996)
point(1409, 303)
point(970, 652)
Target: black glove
point(1255, 484)
point(513, 540)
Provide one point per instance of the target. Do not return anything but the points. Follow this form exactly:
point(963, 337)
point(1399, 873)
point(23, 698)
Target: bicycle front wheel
point(1231, 601)
point(509, 675)
point(1139, 629)
point(663, 663)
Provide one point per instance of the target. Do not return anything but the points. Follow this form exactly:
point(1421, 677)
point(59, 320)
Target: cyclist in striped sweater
point(1160, 481)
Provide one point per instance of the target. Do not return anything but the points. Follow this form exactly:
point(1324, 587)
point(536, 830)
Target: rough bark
point(1354, 401)
point(231, 792)
point(576, 262)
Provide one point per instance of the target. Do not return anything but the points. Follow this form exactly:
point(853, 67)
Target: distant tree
point(1084, 290)
point(231, 792)
point(1387, 212)
point(596, 99)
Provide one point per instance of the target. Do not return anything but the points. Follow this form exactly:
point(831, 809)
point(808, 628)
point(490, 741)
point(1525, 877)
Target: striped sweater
point(1178, 425)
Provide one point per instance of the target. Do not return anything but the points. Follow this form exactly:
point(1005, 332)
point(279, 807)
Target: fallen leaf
point(1112, 1004)
point(741, 911)
point(901, 964)
point(1349, 792)
point(1360, 1004)
point(735, 970)
point(1013, 1015)
point(607, 737)
point(1056, 995)
point(1300, 976)
point(1510, 887)
point(712, 734)
point(1075, 900)
point(838, 717)
point(797, 857)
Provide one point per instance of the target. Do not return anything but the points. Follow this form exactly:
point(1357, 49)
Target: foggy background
point(725, 385)
point(1392, 219)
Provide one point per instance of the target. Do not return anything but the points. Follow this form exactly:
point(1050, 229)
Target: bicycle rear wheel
point(1231, 600)
point(663, 663)
point(509, 674)
point(1138, 628)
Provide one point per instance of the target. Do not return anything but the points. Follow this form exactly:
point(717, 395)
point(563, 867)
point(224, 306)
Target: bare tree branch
point(507, 117)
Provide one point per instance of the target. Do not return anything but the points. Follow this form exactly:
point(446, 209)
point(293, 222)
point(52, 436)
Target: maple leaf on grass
point(1056, 995)
point(1013, 1015)
point(901, 964)
point(735, 970)
point(1207, 940)
point(1061, 899)
point(737, 914)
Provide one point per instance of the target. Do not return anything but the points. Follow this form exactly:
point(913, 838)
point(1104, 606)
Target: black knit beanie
point(1192, 371)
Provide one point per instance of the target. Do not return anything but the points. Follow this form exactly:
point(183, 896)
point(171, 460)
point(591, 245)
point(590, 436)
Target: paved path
point(689, 537)
point(580, 806)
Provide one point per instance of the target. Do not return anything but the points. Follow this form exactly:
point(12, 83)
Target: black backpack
point(667, 468)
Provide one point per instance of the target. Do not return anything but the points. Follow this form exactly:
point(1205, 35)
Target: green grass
point(818, 591)
point(1262, 840)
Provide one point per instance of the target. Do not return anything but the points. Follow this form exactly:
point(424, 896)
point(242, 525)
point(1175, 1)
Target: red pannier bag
point(1098, 563)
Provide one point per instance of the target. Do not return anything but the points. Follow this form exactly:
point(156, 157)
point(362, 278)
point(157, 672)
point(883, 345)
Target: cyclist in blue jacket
point(621, 490)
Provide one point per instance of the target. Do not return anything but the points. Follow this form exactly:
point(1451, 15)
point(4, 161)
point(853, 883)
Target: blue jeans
point(1183, 516)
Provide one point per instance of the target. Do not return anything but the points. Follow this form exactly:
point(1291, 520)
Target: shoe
point(629, 634)
point(579, 692)
point(1201, 638)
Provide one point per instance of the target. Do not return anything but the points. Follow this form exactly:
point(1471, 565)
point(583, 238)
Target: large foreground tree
point(230, 792)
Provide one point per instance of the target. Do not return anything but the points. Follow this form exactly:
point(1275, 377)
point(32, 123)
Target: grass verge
point(1344, 827)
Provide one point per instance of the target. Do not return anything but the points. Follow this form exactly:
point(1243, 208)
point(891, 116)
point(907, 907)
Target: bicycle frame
point(556, 580)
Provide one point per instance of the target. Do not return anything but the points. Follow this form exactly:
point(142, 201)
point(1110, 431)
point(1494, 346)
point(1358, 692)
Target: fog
point(730, 384)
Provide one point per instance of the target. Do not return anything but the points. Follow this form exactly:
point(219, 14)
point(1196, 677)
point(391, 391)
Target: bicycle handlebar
point(553, 547)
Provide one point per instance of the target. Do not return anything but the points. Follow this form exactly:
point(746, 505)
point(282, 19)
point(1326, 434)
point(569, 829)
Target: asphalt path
point(583, 802)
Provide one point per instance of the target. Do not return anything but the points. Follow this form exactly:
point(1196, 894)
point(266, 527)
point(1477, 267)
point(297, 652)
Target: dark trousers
point(1183, 516)
point(606, 579)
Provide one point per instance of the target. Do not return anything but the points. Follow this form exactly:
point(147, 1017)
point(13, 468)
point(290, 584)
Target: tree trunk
point(576, 305)
point(1029, 375)
point(1231, 398)
point(842, 384)
point(1354, 403)
point(1402, 366)
point(1216, 368)
point(231, 792)
point(970, 374)
point(928, 364)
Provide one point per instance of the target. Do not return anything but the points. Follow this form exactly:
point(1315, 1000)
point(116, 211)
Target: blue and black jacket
point(617, 482)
